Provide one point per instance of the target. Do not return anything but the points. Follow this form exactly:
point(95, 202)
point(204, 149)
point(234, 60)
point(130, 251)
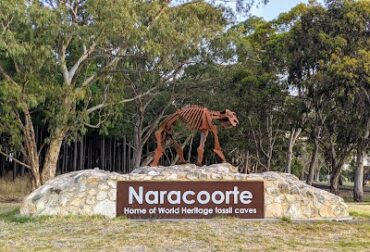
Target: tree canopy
point(299, 83)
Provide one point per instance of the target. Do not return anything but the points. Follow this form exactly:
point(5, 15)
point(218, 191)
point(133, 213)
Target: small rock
point(90, 200)
point(274, 210)
point(101, 195)
point(75, 202)
point(216, 176)
point(92, 191)
point(153, 173)
point(103, 187)
point(106, 207)
point(92, 180)
point(36, 197)
point(82, 188)
point(112, 184)
point(112, 194)
point(326, 212)
point(172, 176)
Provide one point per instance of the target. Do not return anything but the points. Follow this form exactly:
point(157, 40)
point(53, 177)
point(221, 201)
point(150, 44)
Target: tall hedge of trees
point(91, 80)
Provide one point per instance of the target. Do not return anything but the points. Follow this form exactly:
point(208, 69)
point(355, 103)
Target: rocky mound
point(91, 192)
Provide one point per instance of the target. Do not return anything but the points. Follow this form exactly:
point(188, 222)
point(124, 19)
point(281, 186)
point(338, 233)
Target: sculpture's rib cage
point(198, 121)
point(192, 115)
point(185, 113)
point(193, 118)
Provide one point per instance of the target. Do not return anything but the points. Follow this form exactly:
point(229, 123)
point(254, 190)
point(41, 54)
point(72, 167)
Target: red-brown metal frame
point(196, 118)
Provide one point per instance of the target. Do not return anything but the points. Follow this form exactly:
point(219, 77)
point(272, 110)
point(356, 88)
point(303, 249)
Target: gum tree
point(327, 48)
point(58, 63)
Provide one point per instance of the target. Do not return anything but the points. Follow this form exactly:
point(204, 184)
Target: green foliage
point(61, 61)
point(323, 51)
point(308, 69)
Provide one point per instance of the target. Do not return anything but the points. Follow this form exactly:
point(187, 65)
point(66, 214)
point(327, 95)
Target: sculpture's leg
point(159, 150)
point(178, 148)
point(160, 136)
point(217, 148)
point(180, 152)
point(203, 138)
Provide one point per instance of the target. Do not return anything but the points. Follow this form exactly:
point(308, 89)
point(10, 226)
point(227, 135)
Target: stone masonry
point(93, 192)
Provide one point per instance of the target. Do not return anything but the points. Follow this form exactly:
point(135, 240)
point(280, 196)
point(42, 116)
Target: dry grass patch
point(220, 234)
point(14, 190)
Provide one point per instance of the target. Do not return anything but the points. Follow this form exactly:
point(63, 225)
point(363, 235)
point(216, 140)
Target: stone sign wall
point(90, 192)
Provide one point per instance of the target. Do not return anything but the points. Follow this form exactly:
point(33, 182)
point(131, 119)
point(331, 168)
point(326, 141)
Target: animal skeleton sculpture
point(196, 118)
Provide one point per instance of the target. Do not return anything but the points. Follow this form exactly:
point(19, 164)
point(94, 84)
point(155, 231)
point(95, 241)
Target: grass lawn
point(226, 234)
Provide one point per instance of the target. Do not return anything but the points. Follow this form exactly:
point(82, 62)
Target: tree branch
point(150, 129)
point(103, 105)
point(6, 27)
point(84, 56)
point(260, 146)
point(15, 160)
point(7, 76)
point(63, 60)
point(96, 76)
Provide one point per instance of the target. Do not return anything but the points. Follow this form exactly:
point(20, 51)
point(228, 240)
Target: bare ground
point(226, 234)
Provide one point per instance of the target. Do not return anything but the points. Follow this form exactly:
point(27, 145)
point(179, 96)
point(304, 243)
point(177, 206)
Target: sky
point(275, 7)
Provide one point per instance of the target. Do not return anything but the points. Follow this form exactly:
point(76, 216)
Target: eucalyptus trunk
point(335, 177)
point(314, 157)
point(30, 149)
point(313, 162)
point(294, 133)
point(334, 183)
point(52, 154)
point(290, 158)
point(138, 134)
point(57, 136)
point(138, 150)
point(358, 189)
point(246, 161)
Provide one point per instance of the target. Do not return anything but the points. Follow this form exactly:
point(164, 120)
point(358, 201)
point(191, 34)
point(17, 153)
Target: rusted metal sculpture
point(196, 118)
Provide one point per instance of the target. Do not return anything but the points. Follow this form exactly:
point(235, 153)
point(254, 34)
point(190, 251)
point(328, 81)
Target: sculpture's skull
point(228, 119)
